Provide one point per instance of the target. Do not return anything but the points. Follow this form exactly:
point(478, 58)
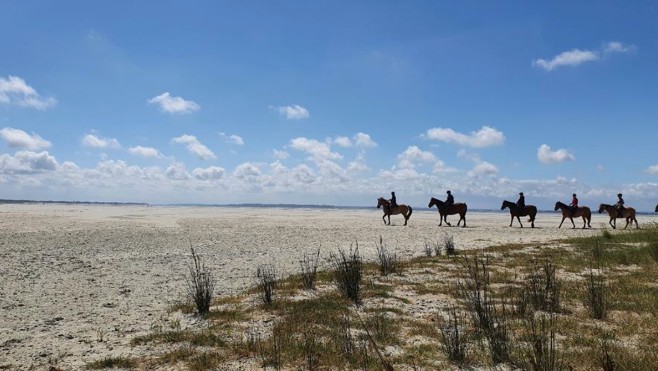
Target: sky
point(329, 102)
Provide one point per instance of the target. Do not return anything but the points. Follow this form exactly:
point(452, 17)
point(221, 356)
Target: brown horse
point(458, 208)
point(656, 211)
point(627, 213)
point(529, 210)
point(583, 211)
point(400, 209)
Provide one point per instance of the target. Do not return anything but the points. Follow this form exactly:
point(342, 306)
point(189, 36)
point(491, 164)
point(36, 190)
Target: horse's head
point(433, 202)
point(381, 202)
point(504, 205)
point(557, 205)
point(602, 208)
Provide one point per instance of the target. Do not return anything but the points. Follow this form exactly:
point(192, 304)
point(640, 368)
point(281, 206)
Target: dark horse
point(514, 211)
point(458, 208)
point(627, 213)
point(656, 211)
point(583, 211)
point(400, 209)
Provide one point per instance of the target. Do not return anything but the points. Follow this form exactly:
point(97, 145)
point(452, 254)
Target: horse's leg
point(440, 219)
point(511, 221)
point(560, 226)
point(532, 222)
point(447, 222)
point(572, 223)
point(614, 226)
point(384, 218)
point(519, 219)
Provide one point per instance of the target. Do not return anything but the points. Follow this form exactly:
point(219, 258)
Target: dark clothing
point(620, 203)
point(521, 202)
point(394, 202)
point(450, 200)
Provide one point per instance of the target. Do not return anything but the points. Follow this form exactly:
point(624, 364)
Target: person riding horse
point(394, 202)
point(573, 206)
point(620, 204)
point(450, 200)
point(521, 202)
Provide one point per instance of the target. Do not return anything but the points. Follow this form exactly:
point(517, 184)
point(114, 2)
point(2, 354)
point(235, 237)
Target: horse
point(458, 208)
point(583, 211)
point(627, 213)
point(656, 211)
point(529, 210)
point(400, 209)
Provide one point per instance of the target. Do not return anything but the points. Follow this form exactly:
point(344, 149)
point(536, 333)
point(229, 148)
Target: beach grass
point(421, 319)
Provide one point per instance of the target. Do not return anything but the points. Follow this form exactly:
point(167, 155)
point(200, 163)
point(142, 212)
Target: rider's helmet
point(448, 192)
point(618, 194)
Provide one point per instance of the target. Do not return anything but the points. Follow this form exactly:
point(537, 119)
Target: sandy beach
point(79, 281)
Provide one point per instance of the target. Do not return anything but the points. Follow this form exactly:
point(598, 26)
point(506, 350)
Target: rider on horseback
point(521, 202)
point(573, 206)
point(450, 200)
point(620, 204)
point(394, 202)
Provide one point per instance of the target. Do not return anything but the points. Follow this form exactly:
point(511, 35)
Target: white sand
point(73, 275)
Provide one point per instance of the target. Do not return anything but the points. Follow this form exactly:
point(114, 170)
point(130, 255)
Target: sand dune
point(79, 281)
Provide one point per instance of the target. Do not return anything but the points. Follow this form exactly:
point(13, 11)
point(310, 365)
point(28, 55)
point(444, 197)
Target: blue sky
point(329, 102)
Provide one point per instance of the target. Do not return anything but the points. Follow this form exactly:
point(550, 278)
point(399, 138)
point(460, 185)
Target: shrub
point(542, 354)
point(309, 264)
point(347, 272)
point(455, 339)
point(200, 284)
point(266, 276)
point(596, 300)
point(388, 263)
point(449, 245)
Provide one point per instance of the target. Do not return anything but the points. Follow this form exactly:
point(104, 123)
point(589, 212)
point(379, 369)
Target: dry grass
point(402, 317)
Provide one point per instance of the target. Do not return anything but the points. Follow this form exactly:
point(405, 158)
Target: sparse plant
point(489, 319)
point(449, 244)
point(427, 249)
point(606, 235)
point(542, 287)
point(455, 338)
point(309, 264)
point(311, 355)
point(267, 282)
point(388, 263)
point(607, 362)
point(597, 251)
point(347, 272)
point(543, 354)
point(596, 300)
point(200, 284)
point(653, 250)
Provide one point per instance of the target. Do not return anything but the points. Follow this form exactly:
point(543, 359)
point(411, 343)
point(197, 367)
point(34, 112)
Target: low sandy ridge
point(80, 281)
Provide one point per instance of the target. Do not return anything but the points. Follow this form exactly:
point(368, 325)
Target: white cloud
point(177, 171)
point(483, 168)
point(364, 140)
point(27, 162)
point(14, 90)
point(573, 57)
point(653, 169)
point(195, 147)
point(358, 165)
point(94, 141)
point(343, 142)
point(17, 138)
point(485, 137)
point(209, 173)
point(303, 174)
point(171, 104)
point(293, 112)
point(148, 152)
point(234, 139)
point(246, 171)
point(548, 156)
point(280, 155)
point(317, 149)
point(413, 154)
point(617, 47)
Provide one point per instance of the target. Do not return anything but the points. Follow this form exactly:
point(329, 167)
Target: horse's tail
point(410, 211)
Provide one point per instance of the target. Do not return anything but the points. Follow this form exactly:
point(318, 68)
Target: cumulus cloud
point(195, 147)
point(412, 155)
point(14, 90)
point(17, 138)
point(246, 170)
point(548, 156)
point(483, 168)
point(303, 174)
point(280, 155)
point(170, 104)
point(148, 152)
point(485, 137)
point(234, 139)
point(364, 140)
point(342, 142)
point(209, 173)
point(293, 112)
point(315, 148)
point(27, 162)
point(653, 169)
point(94, 141)
point(177, 171)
